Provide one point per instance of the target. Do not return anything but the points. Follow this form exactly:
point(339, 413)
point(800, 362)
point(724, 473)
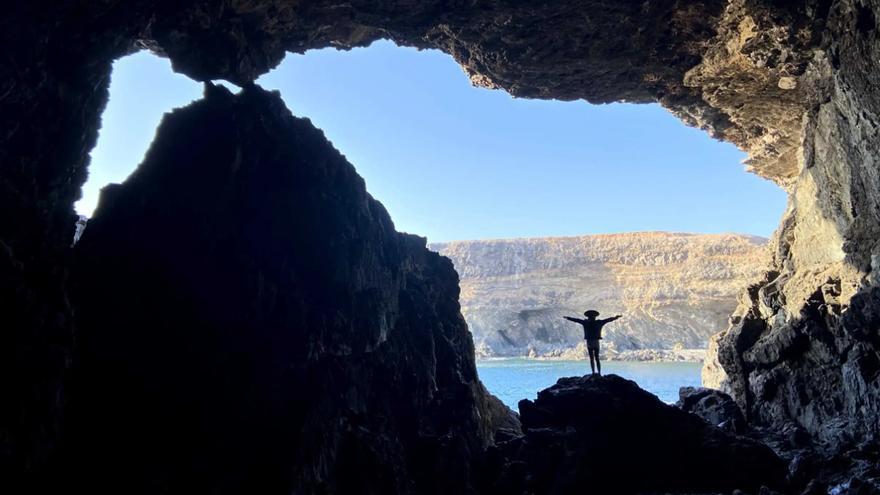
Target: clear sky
point(451, 161)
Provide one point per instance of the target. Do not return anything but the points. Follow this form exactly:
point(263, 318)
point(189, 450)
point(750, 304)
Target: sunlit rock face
point(250, 322)
point(792, 83)
point(804, 344)
point(674, 290)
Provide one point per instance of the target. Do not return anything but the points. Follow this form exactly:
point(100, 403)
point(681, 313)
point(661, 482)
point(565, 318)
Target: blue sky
point(451, 161)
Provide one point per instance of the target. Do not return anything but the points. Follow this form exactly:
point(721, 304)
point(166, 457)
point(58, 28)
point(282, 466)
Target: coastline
point(578, 354)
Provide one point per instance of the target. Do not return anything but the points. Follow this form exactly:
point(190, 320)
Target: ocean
point(514, 379)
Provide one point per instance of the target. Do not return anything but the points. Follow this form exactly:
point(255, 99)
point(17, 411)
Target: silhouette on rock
point(604, 434)
point(251, 322)
point(593, 334)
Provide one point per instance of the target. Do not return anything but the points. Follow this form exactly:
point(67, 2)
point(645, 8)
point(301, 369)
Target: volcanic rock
point(250, 322)
point(606, 435)
point(716, 407)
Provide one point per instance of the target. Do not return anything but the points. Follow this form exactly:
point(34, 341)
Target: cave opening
point(160, 350)
point(457, 163)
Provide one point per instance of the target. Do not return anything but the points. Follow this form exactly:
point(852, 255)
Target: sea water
point(514, 379)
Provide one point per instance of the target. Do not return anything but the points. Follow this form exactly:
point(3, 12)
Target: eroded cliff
point(803, 348)
point(675, 290)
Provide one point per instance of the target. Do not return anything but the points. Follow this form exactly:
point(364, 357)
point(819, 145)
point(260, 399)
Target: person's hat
point(591, 312)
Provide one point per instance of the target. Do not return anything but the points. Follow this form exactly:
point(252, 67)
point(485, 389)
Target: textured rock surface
point(251, 322)
point(793, 83)
point(804, 343)
point(606, 435)
point(674, 290)
point(717, 408)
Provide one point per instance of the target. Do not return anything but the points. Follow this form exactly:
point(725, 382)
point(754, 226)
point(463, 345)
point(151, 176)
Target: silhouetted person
point(593, 334)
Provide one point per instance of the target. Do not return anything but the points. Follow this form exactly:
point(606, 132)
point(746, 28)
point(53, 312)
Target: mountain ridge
point(668, 233)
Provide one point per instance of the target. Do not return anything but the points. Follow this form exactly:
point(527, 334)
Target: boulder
point(604, 434)
point(714, 406)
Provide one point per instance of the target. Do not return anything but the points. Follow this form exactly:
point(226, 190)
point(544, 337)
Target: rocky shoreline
point(579, 352)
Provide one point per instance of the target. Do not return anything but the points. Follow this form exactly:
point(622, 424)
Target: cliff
point(253, 323)
point(674, 290)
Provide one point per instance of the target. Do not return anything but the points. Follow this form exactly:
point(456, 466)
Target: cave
point(406, 118)
point(202, 234)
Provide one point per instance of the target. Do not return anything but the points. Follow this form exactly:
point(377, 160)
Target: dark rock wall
point(50, 104)
point(249, 321)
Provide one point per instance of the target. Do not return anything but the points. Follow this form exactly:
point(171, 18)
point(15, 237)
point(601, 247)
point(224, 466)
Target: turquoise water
point(516, 378)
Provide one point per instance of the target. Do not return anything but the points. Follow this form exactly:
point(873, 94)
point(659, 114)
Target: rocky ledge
point(604, 434)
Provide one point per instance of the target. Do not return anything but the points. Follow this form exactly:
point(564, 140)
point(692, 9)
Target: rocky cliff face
point(792, 83)
point(803, 347)
point(252, 322)
point(675, 290)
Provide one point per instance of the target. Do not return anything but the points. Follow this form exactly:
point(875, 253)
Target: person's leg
point(592, 364)
point(598, 363)
point(592, 360)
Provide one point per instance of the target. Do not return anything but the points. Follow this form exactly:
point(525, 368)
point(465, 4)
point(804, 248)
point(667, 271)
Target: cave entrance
point(557, 198)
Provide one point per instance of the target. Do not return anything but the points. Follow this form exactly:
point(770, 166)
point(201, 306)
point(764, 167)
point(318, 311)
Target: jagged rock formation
point(792, 83)
point(675, 290)
point(606, 435)
point(804, 344)
point(252, 322)
point(716, 407)
point(812, 469)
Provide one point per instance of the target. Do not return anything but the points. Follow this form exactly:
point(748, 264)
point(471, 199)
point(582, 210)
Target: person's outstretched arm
point(609, 320)
point(576, 320)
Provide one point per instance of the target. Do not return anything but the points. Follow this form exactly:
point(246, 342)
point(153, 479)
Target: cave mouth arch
point(789, 82)
point(332, 97)
point(417, 150)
